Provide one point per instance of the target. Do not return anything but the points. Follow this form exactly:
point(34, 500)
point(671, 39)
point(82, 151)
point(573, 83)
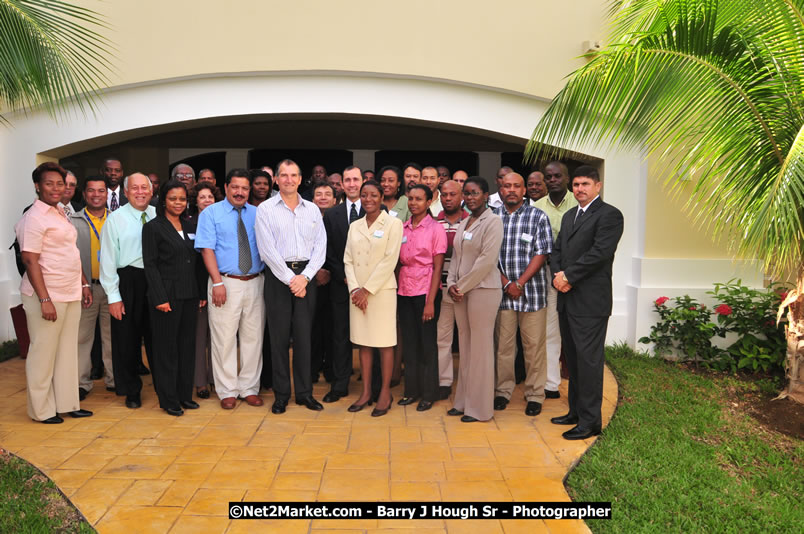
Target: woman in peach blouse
point(53, 289)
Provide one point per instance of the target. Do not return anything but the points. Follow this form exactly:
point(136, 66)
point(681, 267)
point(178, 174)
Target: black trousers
point(341, 346)
point(321, 348)
point(420, 349)
point(128, 333)
point(174, 351)
point(583, 339)
point(288, 313)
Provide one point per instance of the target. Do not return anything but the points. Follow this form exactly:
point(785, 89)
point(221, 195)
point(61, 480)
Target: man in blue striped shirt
point(527, 241)
point(293, 243)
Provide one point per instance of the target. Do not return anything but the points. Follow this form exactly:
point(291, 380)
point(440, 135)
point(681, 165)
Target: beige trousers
point(445, 330)
point(86, 336)
point(474, 392)
point(243, 315)
point(532, 329)
point(553, 337)
point(51, 370)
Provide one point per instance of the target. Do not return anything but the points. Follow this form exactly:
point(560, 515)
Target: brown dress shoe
point(228, 403)
point(253, 400)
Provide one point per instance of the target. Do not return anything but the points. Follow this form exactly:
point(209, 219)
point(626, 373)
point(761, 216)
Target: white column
point(237, 158)
point(487, 165)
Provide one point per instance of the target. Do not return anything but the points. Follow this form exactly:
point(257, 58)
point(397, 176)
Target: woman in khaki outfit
point(475, 287)
point(371, 255)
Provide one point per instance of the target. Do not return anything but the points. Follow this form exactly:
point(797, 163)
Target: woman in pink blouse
point(424, 243)
point(52, 290)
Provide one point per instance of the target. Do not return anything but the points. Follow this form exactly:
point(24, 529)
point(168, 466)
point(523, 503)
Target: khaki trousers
point(553, 336)
point(242, 314)
point(86, 336)
point(51, 370)
point(532, 329)
point(474, 393)
point(445, 330)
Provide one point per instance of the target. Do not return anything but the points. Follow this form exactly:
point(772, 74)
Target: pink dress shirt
point(46, 231)
point(419, 245)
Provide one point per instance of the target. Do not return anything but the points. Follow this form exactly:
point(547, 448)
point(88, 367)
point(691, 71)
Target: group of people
point(217, 287)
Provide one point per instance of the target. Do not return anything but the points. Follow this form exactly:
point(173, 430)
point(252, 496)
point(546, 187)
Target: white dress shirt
point(349, 208)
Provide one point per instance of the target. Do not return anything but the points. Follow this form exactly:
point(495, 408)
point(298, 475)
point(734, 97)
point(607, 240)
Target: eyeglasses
point(185, 175)
point(472, 193)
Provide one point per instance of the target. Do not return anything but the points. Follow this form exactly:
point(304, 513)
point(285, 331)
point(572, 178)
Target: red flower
point(723, 309)
point(661, 300)
point(783, 295)
point(693, 308)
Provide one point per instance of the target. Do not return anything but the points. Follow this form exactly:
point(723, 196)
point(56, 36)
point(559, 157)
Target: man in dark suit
point(336, 223)
point(582, 263)
point(112, 171)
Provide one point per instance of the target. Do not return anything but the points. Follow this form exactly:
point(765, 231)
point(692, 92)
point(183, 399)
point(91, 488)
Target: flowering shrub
point(751, 314)
point(686, 328)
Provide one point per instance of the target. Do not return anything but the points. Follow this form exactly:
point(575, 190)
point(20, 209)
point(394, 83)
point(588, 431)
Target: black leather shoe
point(444, 392)
point(581, 433)
point(190, 405)
point(279, 406)
point(533, 408)
point(174, 411)
point(310, 403)
point(550, 394)
point(80, 413)
point(332, 397)
point(133, 401)
point(55, 420)
point(404, 401)
point(203, 393)
point(111, 388)
point(96, 374)
point(143, 370)
point(454, 412)
point(82, 394)
point(468, 419)
point(424, 406)
point(357, 407)
point(378, 412)
point(500, 403)
point(567, 419)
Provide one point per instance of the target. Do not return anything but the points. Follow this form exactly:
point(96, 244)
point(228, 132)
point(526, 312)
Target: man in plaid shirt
point(527, 241)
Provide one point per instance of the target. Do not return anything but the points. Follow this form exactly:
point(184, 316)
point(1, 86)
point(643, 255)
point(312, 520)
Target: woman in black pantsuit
point(171, 268)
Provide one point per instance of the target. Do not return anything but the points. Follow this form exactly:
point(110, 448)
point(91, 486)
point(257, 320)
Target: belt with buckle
point(297, 265)
point(94, 281)
point(243, 277)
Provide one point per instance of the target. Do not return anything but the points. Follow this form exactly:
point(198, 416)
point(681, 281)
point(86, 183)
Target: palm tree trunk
point(795, 344)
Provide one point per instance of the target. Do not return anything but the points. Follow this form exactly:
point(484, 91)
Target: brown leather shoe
point(228, 403)
point(253, 400)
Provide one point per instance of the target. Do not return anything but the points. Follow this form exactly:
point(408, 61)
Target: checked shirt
point(526, 233)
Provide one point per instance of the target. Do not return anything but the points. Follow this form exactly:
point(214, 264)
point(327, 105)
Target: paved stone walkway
point(145, 471)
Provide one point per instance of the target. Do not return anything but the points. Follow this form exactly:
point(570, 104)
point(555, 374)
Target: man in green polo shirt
point(555, 204)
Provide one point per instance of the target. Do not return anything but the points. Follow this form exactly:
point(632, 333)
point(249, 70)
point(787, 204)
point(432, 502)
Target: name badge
point(467, 236)
point(190, 236)
point(527, 238)
point(404, 239)
point(392, 213)
point(379, 233)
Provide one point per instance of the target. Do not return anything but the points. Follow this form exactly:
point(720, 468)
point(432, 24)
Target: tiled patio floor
point(145, 471)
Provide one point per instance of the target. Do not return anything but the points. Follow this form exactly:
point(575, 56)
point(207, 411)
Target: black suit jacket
point(585, 252)
point(336, 223)
point(172, 266)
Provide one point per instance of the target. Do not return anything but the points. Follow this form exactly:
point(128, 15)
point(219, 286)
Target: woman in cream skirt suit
point(371, 255)
point(475, 287)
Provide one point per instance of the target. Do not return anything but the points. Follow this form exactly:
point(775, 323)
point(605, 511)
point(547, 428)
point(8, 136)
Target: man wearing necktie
point(227, 242)
point(112, 171)
point(581, 263)
point(292, 243)
point(123, 280)
point(336, 224)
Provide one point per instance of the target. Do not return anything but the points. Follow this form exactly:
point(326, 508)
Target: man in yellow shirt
point(555, 204)
point(89, 222)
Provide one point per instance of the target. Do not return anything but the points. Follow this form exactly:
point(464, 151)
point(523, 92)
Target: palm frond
point(51, 53)
point(714, 89)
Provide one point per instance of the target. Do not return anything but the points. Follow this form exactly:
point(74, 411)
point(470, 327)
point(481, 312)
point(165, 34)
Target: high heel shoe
point(357, 407)
point(377, 412)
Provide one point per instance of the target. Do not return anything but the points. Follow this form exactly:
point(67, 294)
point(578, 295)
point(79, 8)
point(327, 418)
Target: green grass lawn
point(677, 458)
point(30, 502)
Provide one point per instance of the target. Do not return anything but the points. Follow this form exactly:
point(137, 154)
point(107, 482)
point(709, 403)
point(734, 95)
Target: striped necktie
point(113, 204)
point(243, 248)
